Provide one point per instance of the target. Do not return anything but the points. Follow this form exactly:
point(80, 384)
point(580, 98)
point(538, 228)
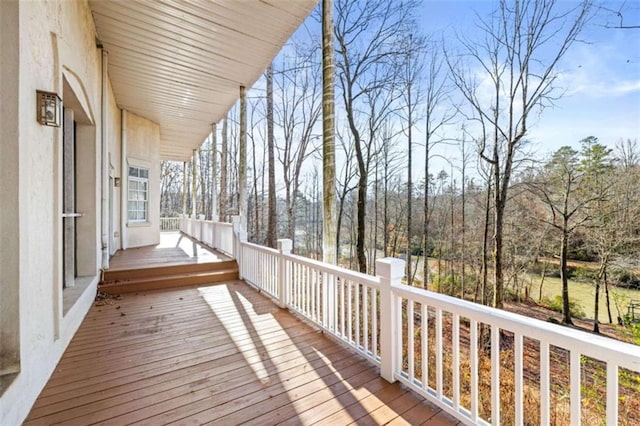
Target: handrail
point(369, 280)
point(591, 345)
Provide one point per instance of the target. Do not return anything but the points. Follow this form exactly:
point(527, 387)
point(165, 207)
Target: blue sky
point(601, 77)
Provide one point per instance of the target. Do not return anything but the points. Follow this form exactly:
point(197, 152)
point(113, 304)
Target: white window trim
point(138, 222)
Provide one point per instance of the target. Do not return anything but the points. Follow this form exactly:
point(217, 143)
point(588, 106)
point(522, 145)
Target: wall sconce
point(116, 182)
point(49, 108)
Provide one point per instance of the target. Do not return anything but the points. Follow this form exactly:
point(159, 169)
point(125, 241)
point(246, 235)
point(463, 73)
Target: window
point(138, 194)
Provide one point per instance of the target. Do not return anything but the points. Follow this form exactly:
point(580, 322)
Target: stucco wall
point(115, 154)
point(56, 38)
point(143, 150)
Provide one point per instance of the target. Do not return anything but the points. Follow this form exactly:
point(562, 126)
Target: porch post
point(194, 188)
point(284, 247)
point(242, 167)
point(329, 246)
point(390, 271)
point(184, 188)
point(214, 173)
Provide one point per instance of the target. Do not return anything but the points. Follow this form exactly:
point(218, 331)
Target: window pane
point(144, 173)
point(133, 171)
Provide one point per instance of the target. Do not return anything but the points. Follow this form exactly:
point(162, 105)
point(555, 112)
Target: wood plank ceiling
point(181, 63)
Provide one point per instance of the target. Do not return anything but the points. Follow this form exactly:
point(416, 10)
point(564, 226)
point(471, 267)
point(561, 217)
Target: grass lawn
point(584, 294)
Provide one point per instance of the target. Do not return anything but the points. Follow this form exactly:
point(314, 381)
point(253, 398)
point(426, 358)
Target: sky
point(600, 77)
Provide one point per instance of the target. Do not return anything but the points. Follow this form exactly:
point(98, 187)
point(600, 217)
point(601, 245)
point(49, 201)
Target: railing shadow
point(327, 382)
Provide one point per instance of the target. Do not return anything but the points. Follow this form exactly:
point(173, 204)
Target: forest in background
point(490, 217)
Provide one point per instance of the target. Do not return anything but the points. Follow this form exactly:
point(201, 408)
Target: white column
point(214, 173)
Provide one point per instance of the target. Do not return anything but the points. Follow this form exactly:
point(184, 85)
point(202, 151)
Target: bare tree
point(519, 55)
point(297, 110)
point(437, 89)
point(410, 78)
point(368, 37)
point(345, 185)
point(561, 187)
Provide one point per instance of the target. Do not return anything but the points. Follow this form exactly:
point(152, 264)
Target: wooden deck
point(221, 354)
point(174, 249)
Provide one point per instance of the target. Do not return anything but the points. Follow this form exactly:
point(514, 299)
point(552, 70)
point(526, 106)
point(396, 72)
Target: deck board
point(222, 354)
point(174, 248)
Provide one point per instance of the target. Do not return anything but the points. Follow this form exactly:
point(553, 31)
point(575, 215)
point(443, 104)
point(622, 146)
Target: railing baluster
point(575, 386)
point(410, 345)
point(374, 322)
point(518, 378)
point(335, 302)
point(318, 287)
point(495, 375)
point(473, 354)
point(545, 396)
point(439, 352)
point(349, 312)
point(424, 337)
point(612, 393)
point(356, 288)
point(365, 320)
point(456, 361)
point(342, 308)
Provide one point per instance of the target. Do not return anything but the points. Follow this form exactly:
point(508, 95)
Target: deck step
point(168, 277)
point(161, 271)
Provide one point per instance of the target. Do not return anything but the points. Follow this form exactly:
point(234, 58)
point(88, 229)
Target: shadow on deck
point(221, 354)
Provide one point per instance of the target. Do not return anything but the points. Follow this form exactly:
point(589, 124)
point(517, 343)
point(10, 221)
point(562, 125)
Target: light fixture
point(49, 108)
point(116, 182)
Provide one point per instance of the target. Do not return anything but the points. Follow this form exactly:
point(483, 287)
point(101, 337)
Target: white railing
point(260, 268)
point(217, 235)
point(170, 223)
point(537, 351)
point(479, 364)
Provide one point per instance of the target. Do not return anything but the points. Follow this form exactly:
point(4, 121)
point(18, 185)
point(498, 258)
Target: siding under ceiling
point(181, 63)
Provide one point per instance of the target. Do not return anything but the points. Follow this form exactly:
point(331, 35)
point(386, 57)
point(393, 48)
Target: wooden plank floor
point(222, 354)
point(174, 249)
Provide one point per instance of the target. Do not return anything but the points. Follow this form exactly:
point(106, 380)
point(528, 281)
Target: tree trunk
point(498, 285)
point(271, 221)
point(544, 273)
point(361, 204)
point(596, 306)
point(606, 292)
point(409, 185)
point(214, 173)
point(329, 243)
point(566, 313)
point(224, 185)
point(242, 152)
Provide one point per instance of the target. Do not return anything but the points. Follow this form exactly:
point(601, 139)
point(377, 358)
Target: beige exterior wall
point(114, 136)
point(143, 150)
point(47, 45)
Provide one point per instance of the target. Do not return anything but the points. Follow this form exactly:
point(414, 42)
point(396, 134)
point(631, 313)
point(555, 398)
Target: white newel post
point(390, 271)
point(284, 247)
point(239, 236)
point(201, 228)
